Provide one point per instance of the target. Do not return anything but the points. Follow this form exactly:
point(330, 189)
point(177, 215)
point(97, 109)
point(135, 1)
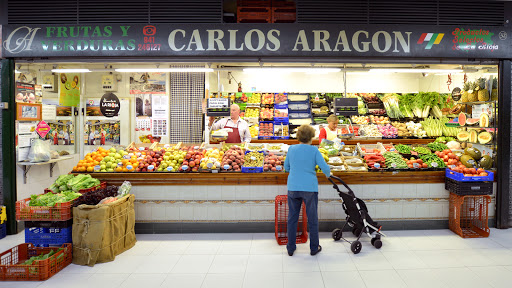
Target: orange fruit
point(90, 169)
point(75, 168)
point(119, 169)
point(125, 169)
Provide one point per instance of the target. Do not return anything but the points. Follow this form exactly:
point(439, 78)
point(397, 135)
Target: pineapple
point(465, 94)
point(494, 91)
point(483, 94)
point(472, 93)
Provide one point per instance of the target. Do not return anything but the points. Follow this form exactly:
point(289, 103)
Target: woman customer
point(300, 162)
point(331, 131)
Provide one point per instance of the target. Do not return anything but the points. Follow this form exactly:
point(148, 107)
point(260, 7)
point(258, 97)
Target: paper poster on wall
point(109, 105)
point(25, 93)
point(49, 112)
point(25, 140)
point(160, 106)
point(143, 124)
point(143, 105)
point(69, 89)
point(479, 109)
point(98, 132)
point(23, 153)
point(147, 83)
point(159, 127)
point(61, 132)
point(27, 76)
point(61, 111)
point(26, 127)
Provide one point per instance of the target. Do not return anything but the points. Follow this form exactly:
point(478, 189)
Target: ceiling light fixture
point(71, 70)
point(291, 70)
point(408, 70)
point(170, 70)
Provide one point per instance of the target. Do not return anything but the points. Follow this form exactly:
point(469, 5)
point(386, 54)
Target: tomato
point(483, 174)
point(480, 170)
point(441, 155)
point(447, 151)
point(451, 155)
point(437, 153)
point(424, 165)
point(419, 161)
point(445, 158)
point(466, 171)
point(409, 165)
point(472, 170)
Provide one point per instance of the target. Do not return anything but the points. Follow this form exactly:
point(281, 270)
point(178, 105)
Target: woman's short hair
point(305, 133)
point(332, 118)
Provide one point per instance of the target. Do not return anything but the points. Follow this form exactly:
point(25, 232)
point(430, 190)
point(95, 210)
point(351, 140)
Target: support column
point(504, 164)
point(8, 144)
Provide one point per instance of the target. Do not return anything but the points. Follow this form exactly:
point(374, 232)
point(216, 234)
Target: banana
point(323, 151)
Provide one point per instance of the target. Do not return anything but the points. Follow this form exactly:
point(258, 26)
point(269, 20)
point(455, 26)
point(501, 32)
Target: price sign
point(129, 167)
point(167, 146)
point(151, 167)
point(434, 164)
point(120, 164)
point(393, 165)
point(170, 169)
point(184, 167)
point(279, 167)
point(377, 165)
point(209, 165)
point(218, 103)
point(126, 157)
point(453, 166)
point(416, 165)
point(141, 149)
point(97, 168)
point(226, 167)
point(253, 158)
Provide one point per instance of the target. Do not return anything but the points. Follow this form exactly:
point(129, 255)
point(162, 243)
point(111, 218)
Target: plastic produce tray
point(45, 234)
point(258, 169)
point(469, 215)
point(460, 177)
point(10, 270)
point(468, 188)
point(59, 212)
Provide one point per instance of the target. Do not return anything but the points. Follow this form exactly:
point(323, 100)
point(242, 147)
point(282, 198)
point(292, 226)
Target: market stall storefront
point(127, 87)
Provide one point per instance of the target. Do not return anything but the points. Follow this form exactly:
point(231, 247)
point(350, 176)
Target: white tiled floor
point(428, 258)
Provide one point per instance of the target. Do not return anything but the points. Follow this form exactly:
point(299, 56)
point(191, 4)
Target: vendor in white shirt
point(238, 125)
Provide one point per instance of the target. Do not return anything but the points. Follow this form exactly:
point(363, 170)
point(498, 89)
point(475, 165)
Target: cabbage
point(453, 145)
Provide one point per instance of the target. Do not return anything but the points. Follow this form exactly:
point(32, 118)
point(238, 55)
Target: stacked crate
point(283, 11)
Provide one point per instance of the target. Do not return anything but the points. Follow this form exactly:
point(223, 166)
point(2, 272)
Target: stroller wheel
point(356, 231)
point(356, 247)
point(376, 242)
point(336, 234)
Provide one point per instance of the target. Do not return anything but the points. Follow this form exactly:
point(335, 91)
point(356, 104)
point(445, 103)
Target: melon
point(473, 136)
point(485, 162)
point(474, 153)
point(462, 119)
point(484, 137)
point(468, 161)
point(463, 136)
point(484, 120)
point(472, 121)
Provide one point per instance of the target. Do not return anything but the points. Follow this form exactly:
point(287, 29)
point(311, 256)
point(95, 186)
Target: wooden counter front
point(169, 179)
point(354, 142)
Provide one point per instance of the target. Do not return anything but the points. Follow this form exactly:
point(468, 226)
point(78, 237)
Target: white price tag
point(167, 146)
point(253, 158)
point(209, 165)
point(151, 167)
point(126, 157)
point(142, 149)
point(416, 165)
point(279, 167)
point(453, 166)
point(97, 168)
point(226, 167)
point(434, 164)
point(170, 168)
point(120, 164)
point(376, 165)
point(393, 165)
point(129, 167)
point(184, 167)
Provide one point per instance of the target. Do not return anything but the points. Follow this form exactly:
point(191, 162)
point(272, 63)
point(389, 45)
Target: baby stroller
point(357, 218)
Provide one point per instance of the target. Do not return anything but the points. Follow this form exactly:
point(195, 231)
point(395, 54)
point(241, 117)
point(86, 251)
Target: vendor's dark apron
point(233, 137)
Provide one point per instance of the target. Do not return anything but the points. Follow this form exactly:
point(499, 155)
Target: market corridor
point(426, 258)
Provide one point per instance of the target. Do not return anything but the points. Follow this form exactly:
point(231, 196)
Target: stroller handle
point(339, 180)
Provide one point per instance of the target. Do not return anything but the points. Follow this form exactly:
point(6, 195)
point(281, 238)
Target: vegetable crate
point(59, 212)
point(461, 178)
point(45, 234)
point(281, 222)
point(364, 149)
point(254, 15)
point(469, 215)
point(12, 270)
point(468, 188)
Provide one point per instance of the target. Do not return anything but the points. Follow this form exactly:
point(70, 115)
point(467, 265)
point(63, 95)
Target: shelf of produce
point(353, 142)
point(271, 178)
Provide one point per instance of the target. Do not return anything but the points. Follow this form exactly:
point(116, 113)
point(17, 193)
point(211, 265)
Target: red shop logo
point(149, 30)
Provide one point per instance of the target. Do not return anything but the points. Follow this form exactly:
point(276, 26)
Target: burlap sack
point(101, 232)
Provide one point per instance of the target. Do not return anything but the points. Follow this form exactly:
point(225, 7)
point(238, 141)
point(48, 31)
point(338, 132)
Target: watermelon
point(462, 119)
point(472, 121)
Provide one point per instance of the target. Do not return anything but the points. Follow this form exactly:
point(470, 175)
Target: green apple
point(164, 165)
point(103, 167)
point(103, 170)
point(110, 170)
point(107, 158)
point(166, 158)
point(112, 154)
point(113, 150)
point(118, 156)
point(108, 164)
point(167, 154)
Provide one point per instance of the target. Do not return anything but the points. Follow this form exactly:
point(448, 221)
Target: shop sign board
point(255, 40)
point(42, 129)
point(109, 105)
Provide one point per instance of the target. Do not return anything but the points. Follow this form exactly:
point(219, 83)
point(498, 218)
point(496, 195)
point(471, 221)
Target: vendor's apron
point(102, 139)
point(233, 137)
point(331, 135)
point(55, 140)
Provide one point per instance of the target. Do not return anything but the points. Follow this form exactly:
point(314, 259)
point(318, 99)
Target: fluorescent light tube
point(71, 70)
point(409, 70)
point(292, 69)
point(164, 70)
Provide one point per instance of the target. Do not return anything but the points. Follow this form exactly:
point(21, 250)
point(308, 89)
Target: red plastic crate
point(254, 15)
point(283, 3)
point(59, 212)
point(283, 15)
point(281, 222)
point(469, 215)
point(10, 270)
